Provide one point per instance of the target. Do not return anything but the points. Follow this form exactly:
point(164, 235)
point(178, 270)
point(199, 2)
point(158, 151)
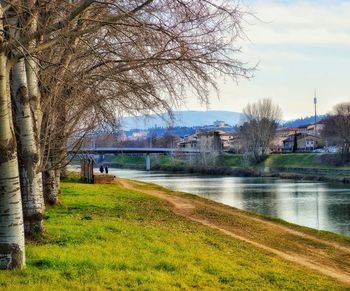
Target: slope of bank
point(131, 235)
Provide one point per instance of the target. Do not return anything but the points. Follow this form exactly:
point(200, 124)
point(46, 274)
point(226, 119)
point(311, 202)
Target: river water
point(323, 206)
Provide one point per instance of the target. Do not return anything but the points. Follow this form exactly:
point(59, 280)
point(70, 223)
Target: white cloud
point(300, 23)
point(301, 45)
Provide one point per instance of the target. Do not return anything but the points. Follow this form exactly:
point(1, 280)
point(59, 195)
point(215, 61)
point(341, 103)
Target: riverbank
point(301, 166)
point(133, 235)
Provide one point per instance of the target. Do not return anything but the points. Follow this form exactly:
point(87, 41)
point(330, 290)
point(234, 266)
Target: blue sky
point(300, 46)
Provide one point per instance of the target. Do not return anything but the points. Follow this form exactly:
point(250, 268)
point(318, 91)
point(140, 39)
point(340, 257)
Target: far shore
point(311, 174)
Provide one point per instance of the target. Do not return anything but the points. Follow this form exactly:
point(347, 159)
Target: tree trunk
point(51, 186)
point(11, 216)
point(28, 152)
point(32, 71)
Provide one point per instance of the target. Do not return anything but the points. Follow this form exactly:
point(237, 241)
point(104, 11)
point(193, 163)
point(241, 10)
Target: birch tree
point(75, 63)
point(11, 217)
point(138, 62)
point(29, 168)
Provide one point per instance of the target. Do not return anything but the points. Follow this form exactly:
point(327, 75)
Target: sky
point(300, 47)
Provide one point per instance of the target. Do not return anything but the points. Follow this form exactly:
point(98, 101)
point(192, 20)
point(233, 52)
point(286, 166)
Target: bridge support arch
point(148, 162)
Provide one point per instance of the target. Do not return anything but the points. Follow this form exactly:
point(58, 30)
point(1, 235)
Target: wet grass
point(104, 237)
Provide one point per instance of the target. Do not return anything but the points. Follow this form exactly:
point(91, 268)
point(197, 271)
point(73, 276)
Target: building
point(220, 124)
point(303, 129)
point(302, 142)
point(210, 140)
point(309, 142)
point(277, 144)
point(318, 131)
point(188, 142)
point(226, 138)
point(290, 143)
point(235, 143)
point(138, 135)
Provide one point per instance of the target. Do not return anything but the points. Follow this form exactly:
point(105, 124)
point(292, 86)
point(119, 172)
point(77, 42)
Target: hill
point(190, 119)
point(302, 121)
point(182, 118)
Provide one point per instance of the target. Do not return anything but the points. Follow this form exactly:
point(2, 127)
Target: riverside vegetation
point(117, 236)
point(312, 166)
point(303, 160)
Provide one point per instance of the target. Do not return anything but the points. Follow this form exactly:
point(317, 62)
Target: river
point(323, 206)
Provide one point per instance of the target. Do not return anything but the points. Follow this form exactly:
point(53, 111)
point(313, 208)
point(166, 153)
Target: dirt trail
point(290, 230)
point(326, 257)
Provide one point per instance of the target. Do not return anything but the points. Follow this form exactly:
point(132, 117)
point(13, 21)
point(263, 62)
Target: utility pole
point(315, 103)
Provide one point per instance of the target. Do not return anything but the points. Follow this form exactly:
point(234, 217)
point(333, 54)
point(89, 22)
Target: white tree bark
point(51, 186)
point(28, 150)
point(32, 71)
point(11, 217)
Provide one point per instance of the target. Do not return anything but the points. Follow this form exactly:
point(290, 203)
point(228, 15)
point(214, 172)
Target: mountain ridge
point(186, 118)
point(193, 118)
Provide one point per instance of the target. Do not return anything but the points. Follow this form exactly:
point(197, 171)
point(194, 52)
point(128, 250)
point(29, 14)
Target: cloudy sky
point(300, 46)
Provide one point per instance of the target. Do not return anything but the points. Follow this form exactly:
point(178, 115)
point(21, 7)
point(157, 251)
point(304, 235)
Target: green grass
point(139, 161)
point(299, 160)
point(231, 160)
point(104, 237)
point(311, 160)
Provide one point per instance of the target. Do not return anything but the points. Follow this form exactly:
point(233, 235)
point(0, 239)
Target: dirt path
point(327, 257)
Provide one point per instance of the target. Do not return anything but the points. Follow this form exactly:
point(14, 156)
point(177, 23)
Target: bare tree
point(337, 129)
point(259, 128)
point(136, 64)
point(85, 60)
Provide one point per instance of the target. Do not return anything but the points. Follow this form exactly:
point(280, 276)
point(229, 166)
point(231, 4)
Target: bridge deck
point(111, 150)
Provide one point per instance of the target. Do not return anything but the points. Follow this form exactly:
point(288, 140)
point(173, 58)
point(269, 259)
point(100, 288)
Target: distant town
point(300, 135)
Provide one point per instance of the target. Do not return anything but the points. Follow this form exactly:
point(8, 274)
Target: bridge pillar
point(148, 162)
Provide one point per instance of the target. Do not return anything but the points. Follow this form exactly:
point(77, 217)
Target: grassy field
point(304, 160)
point(104, 237)
point(231, 160)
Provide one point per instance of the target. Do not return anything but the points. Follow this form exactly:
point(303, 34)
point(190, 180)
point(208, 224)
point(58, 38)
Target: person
point(106, 169)
point(101, 169)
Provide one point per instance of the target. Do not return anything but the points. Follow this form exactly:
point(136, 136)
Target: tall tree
point(337, 129)
point(84, 60)
point(259, 128)
point(143, 59)
point(11, 217)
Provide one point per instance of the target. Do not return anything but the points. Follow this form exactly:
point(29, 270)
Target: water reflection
point(323, 206)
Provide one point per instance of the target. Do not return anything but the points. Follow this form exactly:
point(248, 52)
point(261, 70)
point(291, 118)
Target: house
point(318, 131)
point(235, 143)
point(302, 142)
point(290, 143)
point(303, 129)
point(309, 142)
point(188, 142)
point(277, 145)
point(226, 137)
point(210, 140)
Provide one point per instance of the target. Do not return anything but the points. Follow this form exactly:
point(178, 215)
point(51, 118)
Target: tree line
point(262, 119)
point(68, 65)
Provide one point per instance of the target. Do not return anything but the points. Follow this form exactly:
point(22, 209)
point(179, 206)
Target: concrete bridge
point(146, 151)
